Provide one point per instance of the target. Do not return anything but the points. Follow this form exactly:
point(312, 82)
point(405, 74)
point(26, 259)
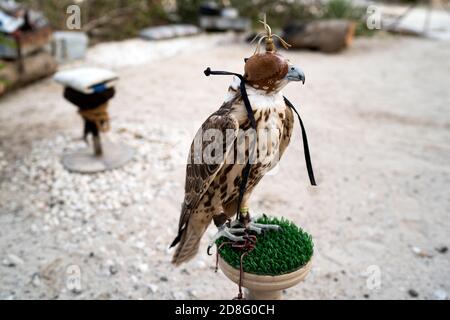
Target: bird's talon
point(236, 230)
point(260, 228)
point(229, 233)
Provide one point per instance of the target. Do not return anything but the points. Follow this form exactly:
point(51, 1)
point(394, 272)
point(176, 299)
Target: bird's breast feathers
point(267, 108)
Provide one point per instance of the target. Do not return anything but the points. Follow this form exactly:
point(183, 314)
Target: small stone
point(36, 279)
point(153, 288)
point(8, 263)
point(419, 252)
point(164, 279)
point(413, 293)
point(76, 291)
point(179, 295)
point(104, 296)
point(366, 296)
point(15, 259)
point(440, 294)
point(113, 269)
point(416, 250)
point(34, 228)
point(201, 264)
point(442, 249)
point(192, 293)
point(140, 244)
point(12, 261)
point(143, 267)
point(185, 271)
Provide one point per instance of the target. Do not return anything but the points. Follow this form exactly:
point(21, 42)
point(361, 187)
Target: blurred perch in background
point(323, 35)
point(214, 18)
point(24, 34)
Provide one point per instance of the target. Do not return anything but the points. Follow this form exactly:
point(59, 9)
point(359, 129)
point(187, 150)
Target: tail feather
point(189, 242)
point(177, 239)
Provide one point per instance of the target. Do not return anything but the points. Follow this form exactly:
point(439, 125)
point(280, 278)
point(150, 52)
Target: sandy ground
point(378, 122)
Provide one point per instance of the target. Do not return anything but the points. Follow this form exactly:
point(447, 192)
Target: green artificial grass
point(276, 252)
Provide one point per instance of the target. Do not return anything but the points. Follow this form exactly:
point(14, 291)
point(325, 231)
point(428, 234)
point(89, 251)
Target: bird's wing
point(199, 176)
point(288, 126)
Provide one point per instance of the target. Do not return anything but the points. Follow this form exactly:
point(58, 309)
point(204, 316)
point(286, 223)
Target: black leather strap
point(305, 144)
point(244, 94)
point(251, 116)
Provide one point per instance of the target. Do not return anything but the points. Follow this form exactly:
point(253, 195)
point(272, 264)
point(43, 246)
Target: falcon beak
point(296, 74)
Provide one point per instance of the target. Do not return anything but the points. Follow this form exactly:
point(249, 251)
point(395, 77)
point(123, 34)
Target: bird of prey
point(212, 189)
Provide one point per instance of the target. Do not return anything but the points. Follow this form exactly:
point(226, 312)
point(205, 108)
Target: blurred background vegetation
point(107, 20)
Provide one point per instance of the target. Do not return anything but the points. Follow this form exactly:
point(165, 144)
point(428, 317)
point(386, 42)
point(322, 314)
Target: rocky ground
point(378, 123)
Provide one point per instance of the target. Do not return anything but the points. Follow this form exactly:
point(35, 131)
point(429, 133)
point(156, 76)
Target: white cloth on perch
point(9, 24)
point(87, 80)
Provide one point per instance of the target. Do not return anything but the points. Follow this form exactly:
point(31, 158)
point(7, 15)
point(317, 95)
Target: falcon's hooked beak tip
point(296, 74)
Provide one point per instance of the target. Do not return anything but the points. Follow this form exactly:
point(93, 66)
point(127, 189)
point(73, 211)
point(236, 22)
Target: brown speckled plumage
point(211, 190)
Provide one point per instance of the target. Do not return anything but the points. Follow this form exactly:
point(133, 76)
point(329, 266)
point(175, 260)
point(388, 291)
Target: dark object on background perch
point(88, 101)
point(322, 35)
point(209, 9)
point(24, 33)
point(93, 110)
point(216, 19)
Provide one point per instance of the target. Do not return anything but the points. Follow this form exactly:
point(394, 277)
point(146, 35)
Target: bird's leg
point(244, 216)
point(259, 227)
point(236, 230)
point(98, 150)
point(220, 219)
point(228, 231)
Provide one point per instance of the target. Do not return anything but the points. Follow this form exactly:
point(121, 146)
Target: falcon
point(212, 189)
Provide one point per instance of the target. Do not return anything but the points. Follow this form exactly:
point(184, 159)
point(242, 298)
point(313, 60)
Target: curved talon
point(235, 223)
point(227, 232)
point(255, 228)
point(209, 249)
point(260, 228)
point(236, 230)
